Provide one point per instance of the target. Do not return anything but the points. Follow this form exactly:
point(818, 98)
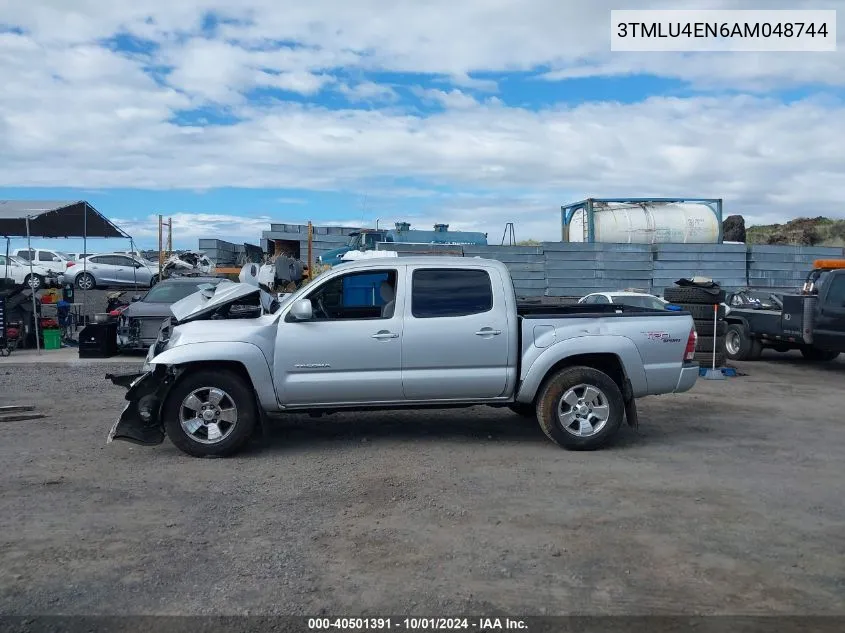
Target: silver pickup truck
point(397, 333)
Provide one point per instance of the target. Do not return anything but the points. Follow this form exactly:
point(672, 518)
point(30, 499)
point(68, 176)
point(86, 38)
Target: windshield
point(171, 293)
point(641, 302)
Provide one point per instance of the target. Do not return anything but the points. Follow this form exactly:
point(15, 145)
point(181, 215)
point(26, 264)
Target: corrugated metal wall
point(560, 269)
point(723, 262)
point(782, 267)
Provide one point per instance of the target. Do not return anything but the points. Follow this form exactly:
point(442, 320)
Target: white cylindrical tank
point(648, 223)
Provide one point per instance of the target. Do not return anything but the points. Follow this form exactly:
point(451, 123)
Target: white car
point(622, 297)
point(18, 271)
point(54, 261)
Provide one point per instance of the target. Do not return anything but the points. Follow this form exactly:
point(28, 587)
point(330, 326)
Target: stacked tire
point(700, 302)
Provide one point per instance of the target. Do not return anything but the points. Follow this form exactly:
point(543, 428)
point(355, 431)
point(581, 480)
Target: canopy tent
point(51, 219)
point(55, 218)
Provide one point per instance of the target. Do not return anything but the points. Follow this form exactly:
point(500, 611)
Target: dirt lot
point(728, 500)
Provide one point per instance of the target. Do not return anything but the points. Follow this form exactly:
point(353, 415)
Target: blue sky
point(229, 116)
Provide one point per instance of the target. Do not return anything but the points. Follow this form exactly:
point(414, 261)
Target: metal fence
point(560, 269)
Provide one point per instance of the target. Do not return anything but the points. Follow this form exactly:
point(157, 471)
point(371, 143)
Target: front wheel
point(210, 413)
point(813, 353)
point(34, 281)
point(85, 281)
point(580, 408)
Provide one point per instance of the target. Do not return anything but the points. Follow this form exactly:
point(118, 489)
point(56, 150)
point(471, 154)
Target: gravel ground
point(727, 500)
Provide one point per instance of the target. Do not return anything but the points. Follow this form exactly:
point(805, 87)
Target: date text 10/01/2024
point(416, 624)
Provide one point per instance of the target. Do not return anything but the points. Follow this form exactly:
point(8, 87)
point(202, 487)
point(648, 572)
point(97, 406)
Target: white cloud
point(74, 113)
point(441, 36)
point(454, 99)
point(368, 91)
point(188, 227)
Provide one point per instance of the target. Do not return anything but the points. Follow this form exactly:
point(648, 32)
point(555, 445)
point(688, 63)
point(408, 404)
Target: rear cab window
point(450, 292)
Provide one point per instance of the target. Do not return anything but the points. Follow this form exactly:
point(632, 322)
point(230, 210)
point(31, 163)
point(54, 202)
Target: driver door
point(350, 352)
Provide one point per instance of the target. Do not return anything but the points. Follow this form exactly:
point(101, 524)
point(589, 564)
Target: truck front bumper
point(140, 421)
point(689, 374)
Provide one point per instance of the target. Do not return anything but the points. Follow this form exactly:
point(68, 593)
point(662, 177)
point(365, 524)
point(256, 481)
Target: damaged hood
point(210, 298)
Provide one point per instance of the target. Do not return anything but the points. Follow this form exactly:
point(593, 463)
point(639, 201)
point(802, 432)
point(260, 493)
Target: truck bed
point(542, 311)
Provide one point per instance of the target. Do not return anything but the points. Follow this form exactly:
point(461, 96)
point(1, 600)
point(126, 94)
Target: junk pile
point(187, 263)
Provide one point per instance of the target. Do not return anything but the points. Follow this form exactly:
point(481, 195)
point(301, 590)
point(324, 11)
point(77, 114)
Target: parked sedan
point(140, 321)
point(638, 299)
point(110, 269)
point(19, 272)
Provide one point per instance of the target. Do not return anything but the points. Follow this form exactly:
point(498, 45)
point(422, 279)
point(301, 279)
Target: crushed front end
point(140, 422)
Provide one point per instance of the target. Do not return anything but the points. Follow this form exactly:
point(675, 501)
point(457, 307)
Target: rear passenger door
point(455, 339)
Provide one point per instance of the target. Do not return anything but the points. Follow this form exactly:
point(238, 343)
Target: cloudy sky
point(228, 115)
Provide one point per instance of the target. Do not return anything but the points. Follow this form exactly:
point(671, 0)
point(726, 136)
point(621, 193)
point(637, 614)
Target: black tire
point(705, 328)
point(816, 354)
point(739, 345)
point(705, 344)
point(236, 389)
point(524, 409)
point(33, 281)
point(84, 279)
point(691, 294)
point(705, 359)
point(701, 312)
point(556, 387)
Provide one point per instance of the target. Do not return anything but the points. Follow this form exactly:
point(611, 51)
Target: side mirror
point(302, 310)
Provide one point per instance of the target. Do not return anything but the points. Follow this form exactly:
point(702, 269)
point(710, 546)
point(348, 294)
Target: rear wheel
point(210, 413)
point(814, 353)
point(740, 345)
point(580, 408)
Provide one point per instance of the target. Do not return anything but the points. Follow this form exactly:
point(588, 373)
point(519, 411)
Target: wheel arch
point(245, 359)
point(608, 362)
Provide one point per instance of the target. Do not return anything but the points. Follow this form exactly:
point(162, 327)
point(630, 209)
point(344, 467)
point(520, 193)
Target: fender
point(246, 354)
point(738, 319)
point(621, 347)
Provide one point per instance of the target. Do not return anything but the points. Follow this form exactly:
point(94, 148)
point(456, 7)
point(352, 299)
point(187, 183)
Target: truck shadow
point(476, 425)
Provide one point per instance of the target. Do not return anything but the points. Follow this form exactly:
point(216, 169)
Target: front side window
point(601, 299)
point(450, 292)
point(365, 295)
point(836, 292)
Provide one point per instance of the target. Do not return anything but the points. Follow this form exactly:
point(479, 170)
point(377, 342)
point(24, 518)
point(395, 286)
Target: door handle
point(383, 335)
point(488, 331)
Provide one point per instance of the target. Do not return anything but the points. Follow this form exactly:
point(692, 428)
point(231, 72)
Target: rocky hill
point(818, 231)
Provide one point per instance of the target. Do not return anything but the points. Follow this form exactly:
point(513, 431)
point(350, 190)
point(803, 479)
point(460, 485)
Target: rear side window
point(27, 255)
point(45, 256)
point(450, 292)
